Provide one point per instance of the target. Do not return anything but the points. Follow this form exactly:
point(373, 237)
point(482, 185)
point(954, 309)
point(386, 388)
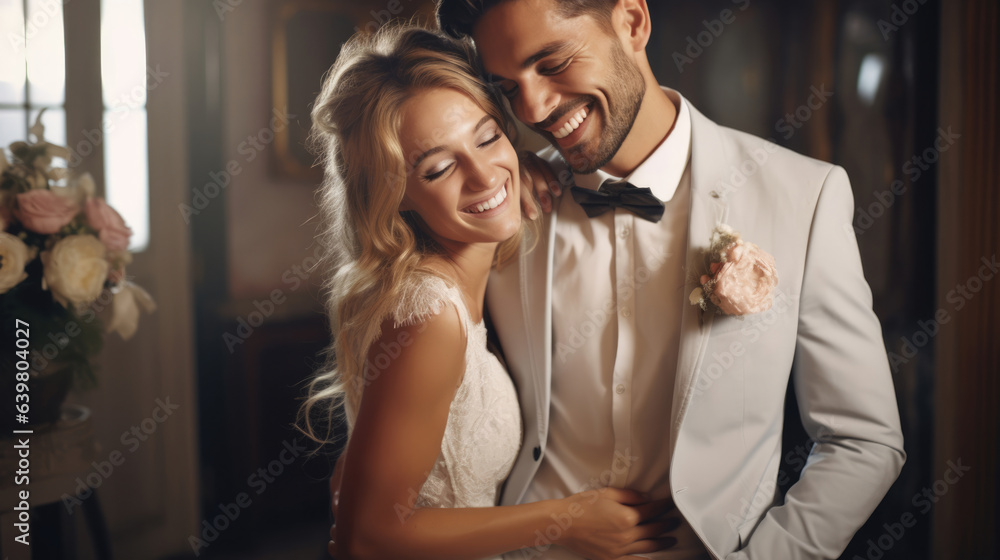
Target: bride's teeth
point(491, 203)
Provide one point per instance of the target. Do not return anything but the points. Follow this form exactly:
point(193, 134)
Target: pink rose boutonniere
point(742, 277)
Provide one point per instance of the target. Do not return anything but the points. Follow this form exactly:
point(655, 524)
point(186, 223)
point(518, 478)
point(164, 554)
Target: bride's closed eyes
point(491, 136)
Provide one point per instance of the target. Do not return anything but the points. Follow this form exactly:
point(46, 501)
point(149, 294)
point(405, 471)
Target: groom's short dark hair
point(458, 17)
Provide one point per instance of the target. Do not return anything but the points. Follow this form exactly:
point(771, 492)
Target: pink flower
point(109, 224)
point(43, 211)
point(744, 282)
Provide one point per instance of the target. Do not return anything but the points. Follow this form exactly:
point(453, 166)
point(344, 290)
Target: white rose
point(14, 255)
point(75, 269)
point(125, 309)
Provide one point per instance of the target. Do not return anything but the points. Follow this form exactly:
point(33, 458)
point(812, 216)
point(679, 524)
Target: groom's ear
point(631, 22)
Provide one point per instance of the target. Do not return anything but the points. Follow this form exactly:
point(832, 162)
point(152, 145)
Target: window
point(123, 75)
point(32, 69)
point(33, 77)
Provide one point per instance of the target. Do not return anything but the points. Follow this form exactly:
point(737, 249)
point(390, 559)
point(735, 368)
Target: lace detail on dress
point(483, 434)
point(421, 300)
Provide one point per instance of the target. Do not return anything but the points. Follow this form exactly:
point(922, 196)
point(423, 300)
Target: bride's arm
point(335, 479)
point(395, 442)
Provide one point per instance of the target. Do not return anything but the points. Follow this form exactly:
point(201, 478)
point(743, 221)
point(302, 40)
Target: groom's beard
point(625, 95)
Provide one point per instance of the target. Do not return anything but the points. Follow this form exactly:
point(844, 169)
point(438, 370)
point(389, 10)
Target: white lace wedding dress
point(483, 434)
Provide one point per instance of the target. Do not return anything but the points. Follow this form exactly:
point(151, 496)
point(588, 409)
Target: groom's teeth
point(572, 124)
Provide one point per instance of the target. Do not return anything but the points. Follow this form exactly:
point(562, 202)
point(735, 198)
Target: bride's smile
point(492, 203)
point(463, 181)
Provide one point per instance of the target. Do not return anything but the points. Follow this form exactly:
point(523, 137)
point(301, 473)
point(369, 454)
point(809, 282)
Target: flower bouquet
point(63, 254)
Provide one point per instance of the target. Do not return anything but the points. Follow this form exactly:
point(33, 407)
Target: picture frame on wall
point(306, 40)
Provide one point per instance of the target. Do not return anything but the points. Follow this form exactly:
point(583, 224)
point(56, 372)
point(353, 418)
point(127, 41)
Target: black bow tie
point(620, 194)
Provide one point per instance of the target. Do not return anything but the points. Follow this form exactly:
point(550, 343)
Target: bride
point(420, 201)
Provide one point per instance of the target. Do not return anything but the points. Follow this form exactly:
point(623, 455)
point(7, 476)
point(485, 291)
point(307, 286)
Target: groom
point(622, 381)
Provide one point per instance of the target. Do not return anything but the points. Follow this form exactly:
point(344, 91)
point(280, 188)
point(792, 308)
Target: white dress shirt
point(618, 293)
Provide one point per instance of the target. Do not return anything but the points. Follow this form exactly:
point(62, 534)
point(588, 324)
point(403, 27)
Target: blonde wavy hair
point(371, 247)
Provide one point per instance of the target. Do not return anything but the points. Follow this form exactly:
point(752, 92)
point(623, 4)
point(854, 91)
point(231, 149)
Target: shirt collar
point(661, 172)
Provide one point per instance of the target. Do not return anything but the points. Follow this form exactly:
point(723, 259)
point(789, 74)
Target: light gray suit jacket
point(732, 374)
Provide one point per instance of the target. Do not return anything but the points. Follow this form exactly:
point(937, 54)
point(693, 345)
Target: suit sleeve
point(845, 396)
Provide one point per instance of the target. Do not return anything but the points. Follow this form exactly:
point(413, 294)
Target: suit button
point(536, 452)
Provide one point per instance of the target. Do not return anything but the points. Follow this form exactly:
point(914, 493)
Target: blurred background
point(191, 116)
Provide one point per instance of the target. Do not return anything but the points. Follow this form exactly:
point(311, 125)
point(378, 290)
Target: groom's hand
point(659, 519)
point(614, 523)
point(538, 182)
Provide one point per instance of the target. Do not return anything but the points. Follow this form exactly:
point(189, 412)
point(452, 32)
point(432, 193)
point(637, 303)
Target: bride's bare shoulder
point(429, 351)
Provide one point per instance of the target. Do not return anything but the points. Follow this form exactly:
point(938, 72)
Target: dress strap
point(426, 296)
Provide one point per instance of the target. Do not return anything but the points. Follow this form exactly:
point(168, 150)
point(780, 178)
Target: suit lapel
point(520, 303)
point(536, 300)
point(708, 208)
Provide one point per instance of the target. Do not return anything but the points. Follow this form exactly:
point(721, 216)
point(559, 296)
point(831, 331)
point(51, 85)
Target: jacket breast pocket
point(724, 324)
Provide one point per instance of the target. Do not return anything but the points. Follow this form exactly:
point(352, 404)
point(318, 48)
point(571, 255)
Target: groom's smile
point(559, 73)
point(567, 124)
